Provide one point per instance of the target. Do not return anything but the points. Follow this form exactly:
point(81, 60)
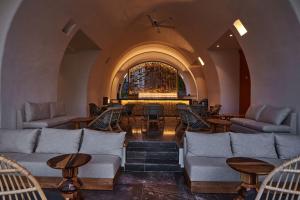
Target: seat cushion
point(36, 111)
point(45, 123)
point(258, 145)
point(288, 146)
point(36, 163)
point(274, 115)
point(209, 169)
point(211, 145)
point(20, 141)
point(59, 141)
point(254, 111)
point(98, 142)
point(101, 166)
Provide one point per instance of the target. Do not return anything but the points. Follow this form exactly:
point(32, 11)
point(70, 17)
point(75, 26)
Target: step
point(140, 167)
point(151, 161)
point(152, 149)
point(152, 155)
point(153, 144)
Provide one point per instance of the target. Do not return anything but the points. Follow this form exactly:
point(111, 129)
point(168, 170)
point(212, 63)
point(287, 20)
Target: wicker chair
point(17, 183)
point(153, 113)
point(128, 111)
point(95, 110)
point(191, 121)
point(282, 182)
point(108, 120)
point(183, 122)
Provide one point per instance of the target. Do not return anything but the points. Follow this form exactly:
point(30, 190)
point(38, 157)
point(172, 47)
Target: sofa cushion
point(57, 109)
point(36, 111)
point(21, 141)
point(51, 122)
point(59, 141)
point(101, 166)
point(98, 142)
point(288, 146)
point(211, 145)
point(36, 163)
point(209, 169)
point(254, 111)
point(258, 145)
point(274, 115)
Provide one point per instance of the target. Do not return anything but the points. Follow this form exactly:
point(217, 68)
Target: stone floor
point(151, 185)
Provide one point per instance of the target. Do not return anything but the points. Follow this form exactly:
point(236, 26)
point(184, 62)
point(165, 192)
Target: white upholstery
point(253, 145)
point(36, 111)
point(51, 122)
point(211, 145)
point(288, 146)
point(254, 111)
point(97, 142)
point(101, 166)
point(59, 141)
point(22, 141)
point(273, 115)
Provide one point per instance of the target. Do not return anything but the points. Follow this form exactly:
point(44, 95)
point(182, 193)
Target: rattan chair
point(17, 183)
point(95, 110)
point(282, 182)
point(154, 113)
point(108, 120)
point(191, 121)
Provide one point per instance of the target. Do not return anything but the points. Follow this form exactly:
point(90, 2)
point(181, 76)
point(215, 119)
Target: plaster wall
point(73, 84)
point(228, 68)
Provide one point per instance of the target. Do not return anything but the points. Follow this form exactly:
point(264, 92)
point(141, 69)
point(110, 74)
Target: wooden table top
point(83, 119)
point(219, 121)
point(68, 161)
point(250, 165)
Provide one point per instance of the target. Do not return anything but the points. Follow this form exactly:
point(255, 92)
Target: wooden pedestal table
point(225, 124)
point(77, 121)
point(69, 164)
point(250, 169)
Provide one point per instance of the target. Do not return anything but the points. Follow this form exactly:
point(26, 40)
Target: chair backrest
point(153, 110)
point(116, 114)
point(282, 182)
point(182, 110)
point(108, 117)
point(94, 110)
point(195, 121)
point(17, 183)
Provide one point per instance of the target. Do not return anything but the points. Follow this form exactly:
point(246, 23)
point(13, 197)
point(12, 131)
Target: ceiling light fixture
point(230, 35)
point(201, 61)
point(240, 27)
point(218, 46)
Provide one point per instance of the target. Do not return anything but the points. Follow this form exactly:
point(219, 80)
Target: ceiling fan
point(157, 24)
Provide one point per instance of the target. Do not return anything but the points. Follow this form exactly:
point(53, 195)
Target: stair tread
point(152, 161)
point(151, 149)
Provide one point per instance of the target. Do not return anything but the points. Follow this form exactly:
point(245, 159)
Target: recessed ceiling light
point(201, 61)
point(240, 27)
point(230, 35)
point(218, 46)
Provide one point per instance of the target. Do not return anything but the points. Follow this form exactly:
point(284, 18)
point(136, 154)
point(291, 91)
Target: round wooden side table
point(219, 122)
point(69, 164)
point(250, 169)
point(77, 121)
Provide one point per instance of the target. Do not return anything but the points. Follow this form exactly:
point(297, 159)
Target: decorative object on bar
point(69, 164)
point(17, 183)
point(95, 110)
point(250, 169)
point(287, 187)
point(153, 113)
point(194, 122)
point(108, 120)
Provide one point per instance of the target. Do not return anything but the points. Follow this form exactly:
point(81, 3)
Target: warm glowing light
point(150, 95)
point(218, 46)
point(136, 131)
point(230, 35)
point(240, 27)
point(169, 132)
point(160, 101)
point(201, 61)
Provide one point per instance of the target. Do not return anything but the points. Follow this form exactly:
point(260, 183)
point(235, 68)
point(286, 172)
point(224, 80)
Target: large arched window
point(152, 79)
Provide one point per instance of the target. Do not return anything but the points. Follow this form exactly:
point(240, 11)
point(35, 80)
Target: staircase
point(145, 156)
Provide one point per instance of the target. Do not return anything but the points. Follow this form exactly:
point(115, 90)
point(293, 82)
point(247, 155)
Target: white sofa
point(32, 148)
point(266, 118)
point(42, 115)
point(205, 156)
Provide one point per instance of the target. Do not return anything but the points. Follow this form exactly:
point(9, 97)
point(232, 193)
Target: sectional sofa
point(205, 156)
point(32, 148)
point(266, 118)
point(43, 115)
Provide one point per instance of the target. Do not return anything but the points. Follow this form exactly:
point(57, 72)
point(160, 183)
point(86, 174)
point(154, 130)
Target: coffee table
point(219, 122)
point(250, 169)
point(69, 164)
point(77, 121)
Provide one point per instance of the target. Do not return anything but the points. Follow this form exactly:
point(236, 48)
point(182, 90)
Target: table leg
point(213, 128)
point(248, 187)
point(77, 125)
point(70, 184)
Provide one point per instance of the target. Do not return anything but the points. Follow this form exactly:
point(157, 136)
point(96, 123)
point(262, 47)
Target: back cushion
point(210, 145)
point(254, 111)
point(57, 109)
point(257, 145)
point(18, 141)
point(274, 115)
point(59, 141)
point(97, 142)
point(36, 111)
point(288, 146)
